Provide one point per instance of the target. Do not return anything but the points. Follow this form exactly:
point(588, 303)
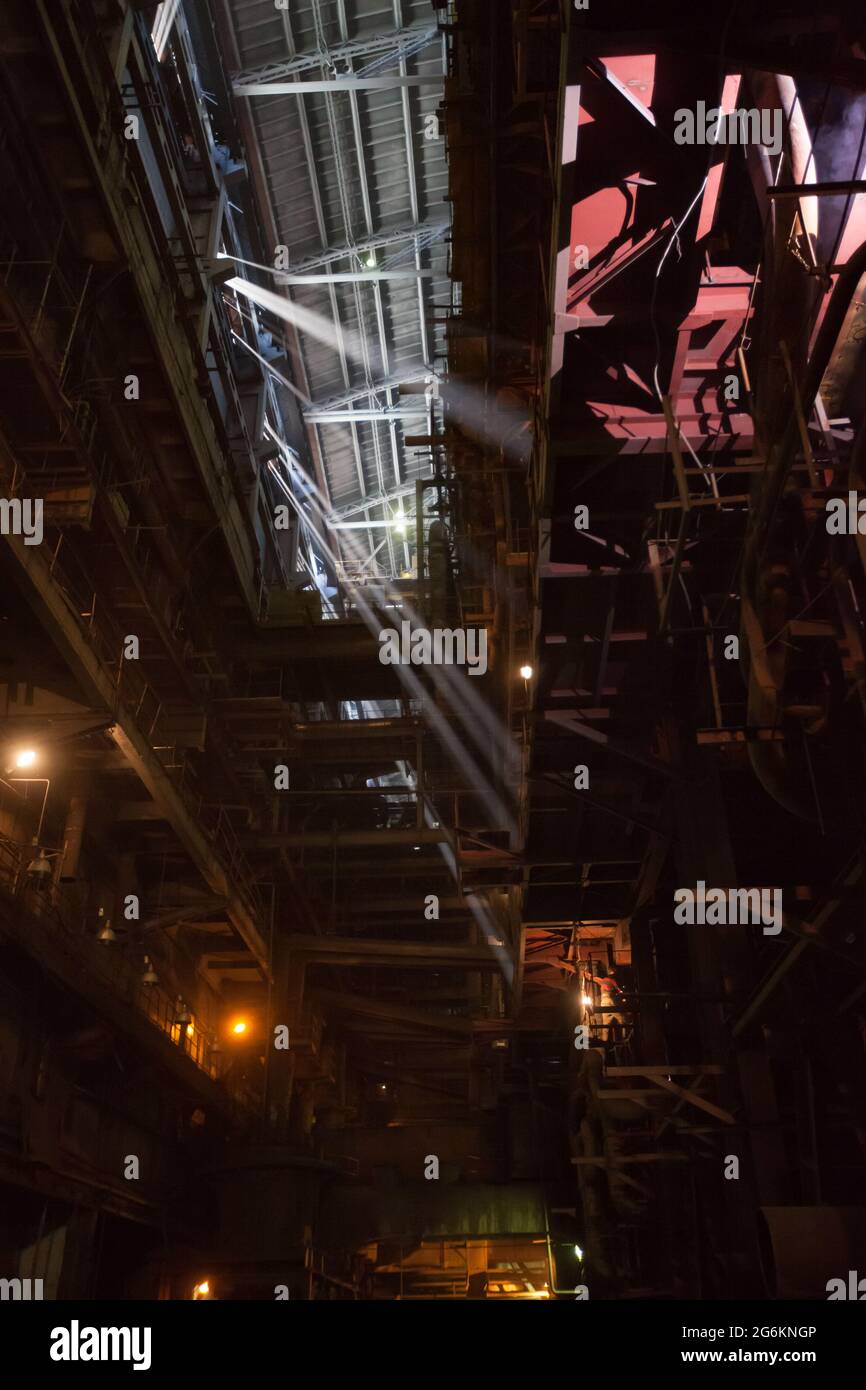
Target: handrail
point(55, 918)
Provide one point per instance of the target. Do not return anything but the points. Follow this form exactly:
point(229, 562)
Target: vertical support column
point(419, 547)
point(419, 779)
point(76, 1275)
point(120, 41)
point(126, 884)
point(73, 832)
point(286, 1008)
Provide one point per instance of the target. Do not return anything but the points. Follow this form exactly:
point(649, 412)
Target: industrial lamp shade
point(106, 935)
point(150, 976)
point(40, 866)
point(183, 1014)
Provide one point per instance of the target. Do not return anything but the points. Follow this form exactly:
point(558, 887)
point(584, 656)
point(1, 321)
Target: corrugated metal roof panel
point(321, 198)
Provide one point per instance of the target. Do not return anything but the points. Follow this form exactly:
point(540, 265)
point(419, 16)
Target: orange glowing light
point(239, 1027)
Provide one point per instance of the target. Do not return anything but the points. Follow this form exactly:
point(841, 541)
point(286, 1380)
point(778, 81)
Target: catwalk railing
point(43, 913)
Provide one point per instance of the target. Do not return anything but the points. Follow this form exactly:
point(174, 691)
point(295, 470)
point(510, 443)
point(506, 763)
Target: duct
point(73, 834)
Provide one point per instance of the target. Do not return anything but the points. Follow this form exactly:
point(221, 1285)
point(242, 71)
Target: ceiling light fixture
point(40, 866)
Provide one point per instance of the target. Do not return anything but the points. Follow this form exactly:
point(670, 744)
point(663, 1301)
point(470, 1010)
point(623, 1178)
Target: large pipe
point(73, 834)
point(787, 783)
point(802, 157)
point(772, 483)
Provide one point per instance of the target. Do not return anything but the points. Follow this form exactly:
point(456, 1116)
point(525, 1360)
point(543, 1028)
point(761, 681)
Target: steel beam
point(830, 189)
point(359, 393)
point(385, 46)
point(361, 951)
point(390, 522)
point(326, 839)
point(602, 70)
point(347, 417)
point(414, 201)
point(353, 277)
point(394, 1013)
point(149, 769)
point(304, 123)
point(100, 686)
point(338, 149)
point(571, 721)
point(425, 233)
point(129, 225)
point(328, 731)
point(377, 1066)
point(99, 995)
point(338, 83)
point(374, 499)
point(407, 905)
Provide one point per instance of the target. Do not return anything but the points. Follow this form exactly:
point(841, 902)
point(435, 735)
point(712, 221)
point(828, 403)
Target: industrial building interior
point(331, 977)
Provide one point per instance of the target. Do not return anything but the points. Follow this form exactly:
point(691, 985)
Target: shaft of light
point(484, 418)
point(494, 803)
point(165, 17)
point(481, 724)
point(284, 381)
point(303, 319)
point(485, 729)
point(394, 522)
